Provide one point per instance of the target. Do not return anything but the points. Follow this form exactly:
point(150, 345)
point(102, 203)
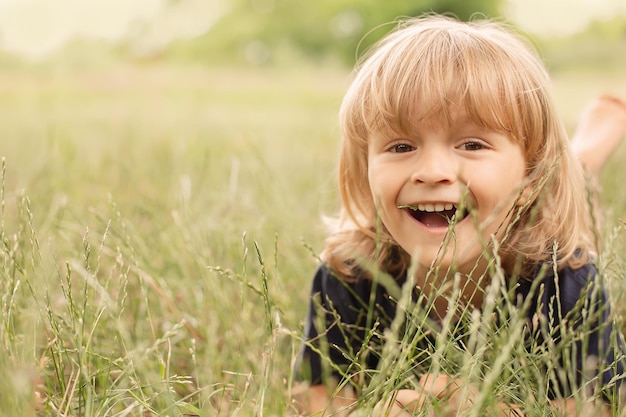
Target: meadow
point(159, 227)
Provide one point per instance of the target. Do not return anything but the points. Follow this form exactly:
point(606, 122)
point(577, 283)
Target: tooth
point(448, 206)
point(439, 207)
point(421, 207)
point(429, 207)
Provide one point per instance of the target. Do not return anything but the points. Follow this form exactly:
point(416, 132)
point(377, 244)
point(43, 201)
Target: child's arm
point(314, 400)
point(570, 408)
point(457, 397)
point(334, 333)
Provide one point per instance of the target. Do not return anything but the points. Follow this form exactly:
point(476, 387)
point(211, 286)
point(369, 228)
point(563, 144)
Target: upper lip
point(431, 206)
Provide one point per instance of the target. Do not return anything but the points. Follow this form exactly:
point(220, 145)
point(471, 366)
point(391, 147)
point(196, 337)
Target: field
point(159, 230)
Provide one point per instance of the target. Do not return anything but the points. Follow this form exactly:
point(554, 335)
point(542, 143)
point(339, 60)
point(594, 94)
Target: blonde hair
point(416, 74)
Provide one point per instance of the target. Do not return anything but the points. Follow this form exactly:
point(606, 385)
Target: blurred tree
point(266, 31)
point(601, 44)
point(613, 28)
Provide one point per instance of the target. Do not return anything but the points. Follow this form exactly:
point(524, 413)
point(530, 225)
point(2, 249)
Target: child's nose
point(435, 168)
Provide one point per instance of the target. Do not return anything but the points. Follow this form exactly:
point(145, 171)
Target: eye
point(400, 148)
point(472, 145)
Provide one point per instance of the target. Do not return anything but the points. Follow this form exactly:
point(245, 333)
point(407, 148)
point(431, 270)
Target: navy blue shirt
point(568, 313)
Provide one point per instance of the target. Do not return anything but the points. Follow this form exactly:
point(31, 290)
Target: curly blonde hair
point(415, 74)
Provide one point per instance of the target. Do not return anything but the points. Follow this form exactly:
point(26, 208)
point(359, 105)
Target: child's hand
point(442, 394)
point(447, 394)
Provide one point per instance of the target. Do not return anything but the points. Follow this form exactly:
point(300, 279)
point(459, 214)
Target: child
point(454, 170)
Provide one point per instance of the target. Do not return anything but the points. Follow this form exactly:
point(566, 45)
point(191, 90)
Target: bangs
point(430, 74)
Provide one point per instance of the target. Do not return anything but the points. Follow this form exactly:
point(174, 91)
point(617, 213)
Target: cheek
point(375, 180)
point(383, 191)
point(519, 182)
point(371, 185)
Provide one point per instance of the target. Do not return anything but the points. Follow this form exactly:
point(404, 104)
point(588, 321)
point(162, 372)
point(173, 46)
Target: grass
point(158, 234)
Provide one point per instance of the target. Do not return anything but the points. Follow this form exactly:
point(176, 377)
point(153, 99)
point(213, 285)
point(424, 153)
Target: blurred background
point(280, 32)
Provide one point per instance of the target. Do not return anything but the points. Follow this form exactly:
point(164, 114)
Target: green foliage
point(603, 44)
point(270, 31)
point(614, 28)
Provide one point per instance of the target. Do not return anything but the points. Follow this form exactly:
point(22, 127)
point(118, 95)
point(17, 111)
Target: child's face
point(418, 181)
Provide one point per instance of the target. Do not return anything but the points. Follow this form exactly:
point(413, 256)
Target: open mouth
point(436, 215)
